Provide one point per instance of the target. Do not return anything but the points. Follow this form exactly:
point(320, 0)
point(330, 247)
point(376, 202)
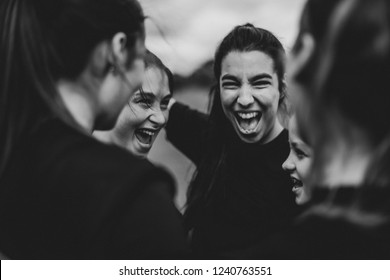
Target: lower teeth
point(248, 124)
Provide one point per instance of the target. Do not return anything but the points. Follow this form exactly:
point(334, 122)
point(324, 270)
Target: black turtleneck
point(254, 198)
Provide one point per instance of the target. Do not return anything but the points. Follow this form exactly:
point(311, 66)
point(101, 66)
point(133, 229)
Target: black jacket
point(65, 195)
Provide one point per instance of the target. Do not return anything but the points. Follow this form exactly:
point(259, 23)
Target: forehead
point(293, 131)
point(156, 81)
point(247, 63)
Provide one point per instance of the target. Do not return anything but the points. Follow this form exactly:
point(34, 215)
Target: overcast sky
point(185, 33)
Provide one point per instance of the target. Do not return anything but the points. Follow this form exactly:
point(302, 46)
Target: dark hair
point(347, 90)
point(151, 60)
point(243, 38)
point(246, 38)
point(314, 21)
point(350, 78)
point(43, 41)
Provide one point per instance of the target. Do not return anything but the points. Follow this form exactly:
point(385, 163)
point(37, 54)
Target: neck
point(78, 100)
point(277, 129)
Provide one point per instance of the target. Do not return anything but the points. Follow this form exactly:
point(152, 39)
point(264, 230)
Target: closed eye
point(143, 98)
point(261, 80)
point(298, 152)
point(230, 85)
point(261, 84)
point(164, 103)
point(145, 102)
point(229, 82)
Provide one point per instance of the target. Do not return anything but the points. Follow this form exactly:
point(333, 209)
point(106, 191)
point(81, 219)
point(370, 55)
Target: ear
point(298, 60)
point(283, 92)
point(119, 52)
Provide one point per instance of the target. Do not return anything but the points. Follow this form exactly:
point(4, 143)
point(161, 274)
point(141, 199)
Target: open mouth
point(247, 122)
point(145, 135)
point(297, 184)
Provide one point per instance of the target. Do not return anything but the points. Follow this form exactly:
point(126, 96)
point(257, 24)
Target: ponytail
point(27, 89)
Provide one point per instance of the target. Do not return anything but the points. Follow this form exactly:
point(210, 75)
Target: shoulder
point(180, 110)
point(280, 145)
point(282, 138)
point(77, 159)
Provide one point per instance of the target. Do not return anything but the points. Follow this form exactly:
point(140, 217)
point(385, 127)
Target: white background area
point(185, 33)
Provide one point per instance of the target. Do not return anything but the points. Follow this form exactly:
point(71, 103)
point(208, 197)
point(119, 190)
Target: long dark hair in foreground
point(349, 78)
point(348, 98)
point(43, 41)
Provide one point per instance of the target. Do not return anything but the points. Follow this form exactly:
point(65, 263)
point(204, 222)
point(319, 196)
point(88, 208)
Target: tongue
point(248, 124)
point(143, 137)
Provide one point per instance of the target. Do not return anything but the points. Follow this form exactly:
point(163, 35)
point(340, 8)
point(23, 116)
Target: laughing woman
point(146, 112)
point(240, 193)
point(69, 67)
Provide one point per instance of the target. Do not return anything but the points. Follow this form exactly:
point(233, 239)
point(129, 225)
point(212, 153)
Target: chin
point(142, 155)
point(139, 152)
point(248, 138)
point(302, 199)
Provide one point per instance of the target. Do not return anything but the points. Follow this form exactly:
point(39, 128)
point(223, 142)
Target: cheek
point(228, 97)
point(303, 167)
point(268, 99)
point(135, 116)
point(166, 116)
point(274, 99)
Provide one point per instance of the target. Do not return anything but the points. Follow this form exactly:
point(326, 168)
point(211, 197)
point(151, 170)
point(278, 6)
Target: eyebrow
point(260, 77)
point(252, 79)
point(151, 95)
point(301, 146)
point(293, 144)
point(145, 94)
point(229, 77)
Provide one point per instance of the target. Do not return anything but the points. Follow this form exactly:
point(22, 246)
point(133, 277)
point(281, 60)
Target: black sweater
point(67, 196)
point(255, 199)
point(341, 222)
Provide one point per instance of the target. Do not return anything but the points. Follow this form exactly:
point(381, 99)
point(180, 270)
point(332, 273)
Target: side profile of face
point(146, 114)
point(297, 165)
point(120, 83)
point(250, 95)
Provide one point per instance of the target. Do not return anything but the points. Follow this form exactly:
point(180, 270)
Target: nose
point(288, 165)
point(245, 97)
point(158, 117)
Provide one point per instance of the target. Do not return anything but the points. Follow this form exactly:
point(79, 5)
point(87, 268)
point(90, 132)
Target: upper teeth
point(248, 115)
point(150, 133)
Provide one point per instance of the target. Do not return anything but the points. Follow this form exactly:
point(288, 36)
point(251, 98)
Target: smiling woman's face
point(250, 95)
point(298, 163)
point(145, 115)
